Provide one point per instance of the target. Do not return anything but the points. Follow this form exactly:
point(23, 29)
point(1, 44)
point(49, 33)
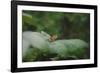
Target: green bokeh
point(65, 25)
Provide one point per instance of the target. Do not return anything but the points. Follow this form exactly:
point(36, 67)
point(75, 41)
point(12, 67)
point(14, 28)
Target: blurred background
point(64, 25)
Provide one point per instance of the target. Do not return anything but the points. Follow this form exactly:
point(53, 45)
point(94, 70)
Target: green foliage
point(65, 25)
point(34, 54)
point(69, 48)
